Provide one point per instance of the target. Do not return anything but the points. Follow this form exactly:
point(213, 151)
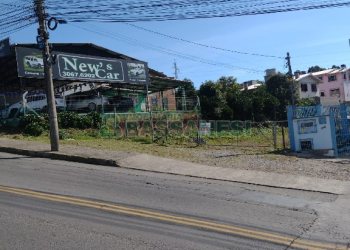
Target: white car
point(34, 62)
point(37, 102)
point(89, 102)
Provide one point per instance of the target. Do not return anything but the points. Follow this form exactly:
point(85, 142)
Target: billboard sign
point(76, 67)
point(5, 47)
point(29, 63)
point(82, 68)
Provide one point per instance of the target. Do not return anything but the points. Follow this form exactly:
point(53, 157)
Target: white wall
point(322, 139)
point(308, 93)
point(347, 90)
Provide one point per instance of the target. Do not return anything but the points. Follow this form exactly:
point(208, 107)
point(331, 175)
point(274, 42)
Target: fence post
point(274, 133)
point(102, 106)
point(115, 122)
point(283, 138)
point(126, 128)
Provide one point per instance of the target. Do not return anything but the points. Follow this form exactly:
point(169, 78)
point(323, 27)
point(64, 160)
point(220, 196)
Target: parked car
point(37, 102)
point(33, 62)
point(121, 103)
point(85, 102)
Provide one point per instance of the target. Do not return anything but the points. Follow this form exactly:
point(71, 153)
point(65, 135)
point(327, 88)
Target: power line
point(138, 43)
point(133, 11)
point(201, 44)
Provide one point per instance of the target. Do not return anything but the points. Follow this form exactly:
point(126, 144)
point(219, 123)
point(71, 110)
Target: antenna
point(176, 70)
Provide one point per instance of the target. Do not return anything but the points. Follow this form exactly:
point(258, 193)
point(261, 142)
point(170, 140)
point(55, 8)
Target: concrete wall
point(321, 139)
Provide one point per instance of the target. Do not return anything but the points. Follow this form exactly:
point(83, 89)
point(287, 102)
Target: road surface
point(48, 204)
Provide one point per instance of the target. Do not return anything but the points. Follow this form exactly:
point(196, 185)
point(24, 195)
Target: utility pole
point(290, 74)
point(43, 40)
point(183, 92)
point(176, 70)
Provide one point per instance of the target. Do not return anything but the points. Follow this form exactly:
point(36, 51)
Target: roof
point(323, 72)
point(309, 75)
point(158, 80)
point(330, 71)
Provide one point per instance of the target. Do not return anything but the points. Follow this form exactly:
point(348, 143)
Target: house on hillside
point(308, 86)
point(250, 85)
point(333, 86)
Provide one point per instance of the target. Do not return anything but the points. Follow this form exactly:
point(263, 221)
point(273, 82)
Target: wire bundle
point(15, 16)
point(160, 10)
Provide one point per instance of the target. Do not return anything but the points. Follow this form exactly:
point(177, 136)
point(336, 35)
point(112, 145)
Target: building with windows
point(308, 86)
point(250, 85)
point(85, 69)
point(331, 85)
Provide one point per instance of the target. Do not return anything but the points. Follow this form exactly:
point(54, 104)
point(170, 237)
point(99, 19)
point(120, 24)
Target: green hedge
point(35, 125)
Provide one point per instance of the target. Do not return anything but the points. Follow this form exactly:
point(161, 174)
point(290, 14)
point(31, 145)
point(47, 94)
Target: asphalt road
point(36, 221)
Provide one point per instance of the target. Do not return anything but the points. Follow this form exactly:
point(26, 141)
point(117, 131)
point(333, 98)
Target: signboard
point(29, 63)
point(81, 67)
point(5, 47)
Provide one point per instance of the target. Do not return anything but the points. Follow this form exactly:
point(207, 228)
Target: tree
point(216, 97)
point(284, 90)
point(210, 100)
point(315, 69)
point(190, 97)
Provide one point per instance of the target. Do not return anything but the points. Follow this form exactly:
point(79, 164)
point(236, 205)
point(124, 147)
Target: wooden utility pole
point(290, 74)
point(43, 40)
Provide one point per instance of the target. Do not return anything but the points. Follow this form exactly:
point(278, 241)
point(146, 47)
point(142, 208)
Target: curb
point(114, 163)
point(58, 156)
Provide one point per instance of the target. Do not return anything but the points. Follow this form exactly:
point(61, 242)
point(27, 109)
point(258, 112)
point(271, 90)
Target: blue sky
point(316, 37)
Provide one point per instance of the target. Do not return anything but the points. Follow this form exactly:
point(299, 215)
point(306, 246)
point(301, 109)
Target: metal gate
point(341, 132)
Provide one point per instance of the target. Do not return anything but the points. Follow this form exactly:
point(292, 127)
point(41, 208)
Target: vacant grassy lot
point(238, 152)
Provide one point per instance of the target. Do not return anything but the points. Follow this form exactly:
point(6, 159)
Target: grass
point(176, 146)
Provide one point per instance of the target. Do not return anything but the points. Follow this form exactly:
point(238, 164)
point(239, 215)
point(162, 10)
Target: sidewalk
point(152, 163)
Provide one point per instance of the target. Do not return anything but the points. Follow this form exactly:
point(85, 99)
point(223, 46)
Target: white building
point(250, 85)
point(308, 86)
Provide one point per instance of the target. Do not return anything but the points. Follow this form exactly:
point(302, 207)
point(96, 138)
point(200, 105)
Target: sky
point(314, 37)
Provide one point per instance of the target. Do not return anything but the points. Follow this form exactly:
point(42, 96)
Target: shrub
point(33, 129)
point(42, 121)
point(68, 119)
point(74, 120)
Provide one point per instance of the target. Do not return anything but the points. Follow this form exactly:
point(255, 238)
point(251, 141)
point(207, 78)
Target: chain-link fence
point(187, 127)
point(163, 118)
point(245, 133)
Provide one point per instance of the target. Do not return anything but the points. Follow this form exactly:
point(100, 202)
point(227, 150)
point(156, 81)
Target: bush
point(42, 121)
point(68, 119)
point(33, 129)
point(74, 120)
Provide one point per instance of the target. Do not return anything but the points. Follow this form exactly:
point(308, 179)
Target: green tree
point(216, 98)
point(284, 90)
point(316, 68)
point(190, 97)
point(210, 100)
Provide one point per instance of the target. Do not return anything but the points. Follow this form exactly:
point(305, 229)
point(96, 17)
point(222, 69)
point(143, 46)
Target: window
point(322, 93)
point(306, 145)
point(332, 78)
point(334, 92)
point(303, 87)
point(307, 126)
point(313, 87)
point(154, 101)
point(344, 76)
point(320, 77)
point(165, 103)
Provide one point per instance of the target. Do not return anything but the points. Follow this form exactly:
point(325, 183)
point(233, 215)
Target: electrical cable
point(138, 43)
point(201, 44)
